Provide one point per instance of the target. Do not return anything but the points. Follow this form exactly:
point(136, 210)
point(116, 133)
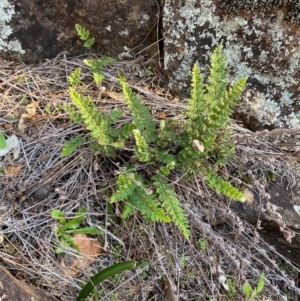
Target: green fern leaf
point(223, 187)
point(171, 204)
point(74, 78)
point(142, 150)
point(132, 189)
point(82, 32)
point(95, 121)
point(142, 119)
point(73, 144)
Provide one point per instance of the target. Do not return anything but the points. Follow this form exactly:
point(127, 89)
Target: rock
point(42, 192)
point(12, 289)
point(35, 30)
point(262, 42)
point(279, 216)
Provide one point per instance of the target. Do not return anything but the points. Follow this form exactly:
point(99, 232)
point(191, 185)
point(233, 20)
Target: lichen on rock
point(261, 42)
point(6, 13)
point(290, 8)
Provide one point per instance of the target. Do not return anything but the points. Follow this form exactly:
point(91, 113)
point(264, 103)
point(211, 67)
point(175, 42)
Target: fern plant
point(84, 35)
point(197, 144)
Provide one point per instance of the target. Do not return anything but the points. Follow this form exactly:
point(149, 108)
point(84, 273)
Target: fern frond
point(223, 187)
point(142, 150)
point(142, 119)
point(217, 80)
point(132, 189)
point(171, 204)
point(197, 102)
point(97, 67)
point(71, 145)
point(96, 122)
point(74, 78)
point(234, 93)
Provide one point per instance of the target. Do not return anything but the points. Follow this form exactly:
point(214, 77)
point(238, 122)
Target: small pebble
point(69, 260)
point(42, 192)
point(20, 187)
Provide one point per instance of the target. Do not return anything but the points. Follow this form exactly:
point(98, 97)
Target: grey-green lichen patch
point(260, 45)
point(6, 13)
point(291, 8)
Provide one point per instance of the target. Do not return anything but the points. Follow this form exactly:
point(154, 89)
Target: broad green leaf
point(62, 247)
point(72, 224)
point(102, 275)
point(70, 241)
point(80, 214)
point(247, 289)
point(2, 141)
point(80, 211)
point(59, 250)
point(261, 283)
point(58, 215)
point(85, 230)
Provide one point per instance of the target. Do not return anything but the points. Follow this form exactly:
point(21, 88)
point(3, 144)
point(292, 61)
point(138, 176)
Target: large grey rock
point(13, 290)
point(262, 42)
point(34, 30)
point(276, 212)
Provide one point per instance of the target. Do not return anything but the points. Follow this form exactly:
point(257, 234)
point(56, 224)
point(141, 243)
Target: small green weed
point(24, 99)
point(232, 292)
point(66, 228)
point(203, 243)
point(251, 293)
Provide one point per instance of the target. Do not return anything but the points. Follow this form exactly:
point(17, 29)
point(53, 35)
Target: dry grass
point(220, 242)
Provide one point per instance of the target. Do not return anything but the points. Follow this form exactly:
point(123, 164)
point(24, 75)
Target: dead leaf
point(31, 111)
point(196, 145)
point(62, 193)
point(162, 115)
point(170, 290)
point(21, 125)
point(8, 126)
point(249, 196)
point(31, 108)
point(89, 248)
point(223, 278)
point(12, 144)
point(115, 95)
point(13, 170)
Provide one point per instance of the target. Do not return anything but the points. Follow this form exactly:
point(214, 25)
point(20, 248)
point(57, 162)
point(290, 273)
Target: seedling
point(251, 293)
point(66, 228)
